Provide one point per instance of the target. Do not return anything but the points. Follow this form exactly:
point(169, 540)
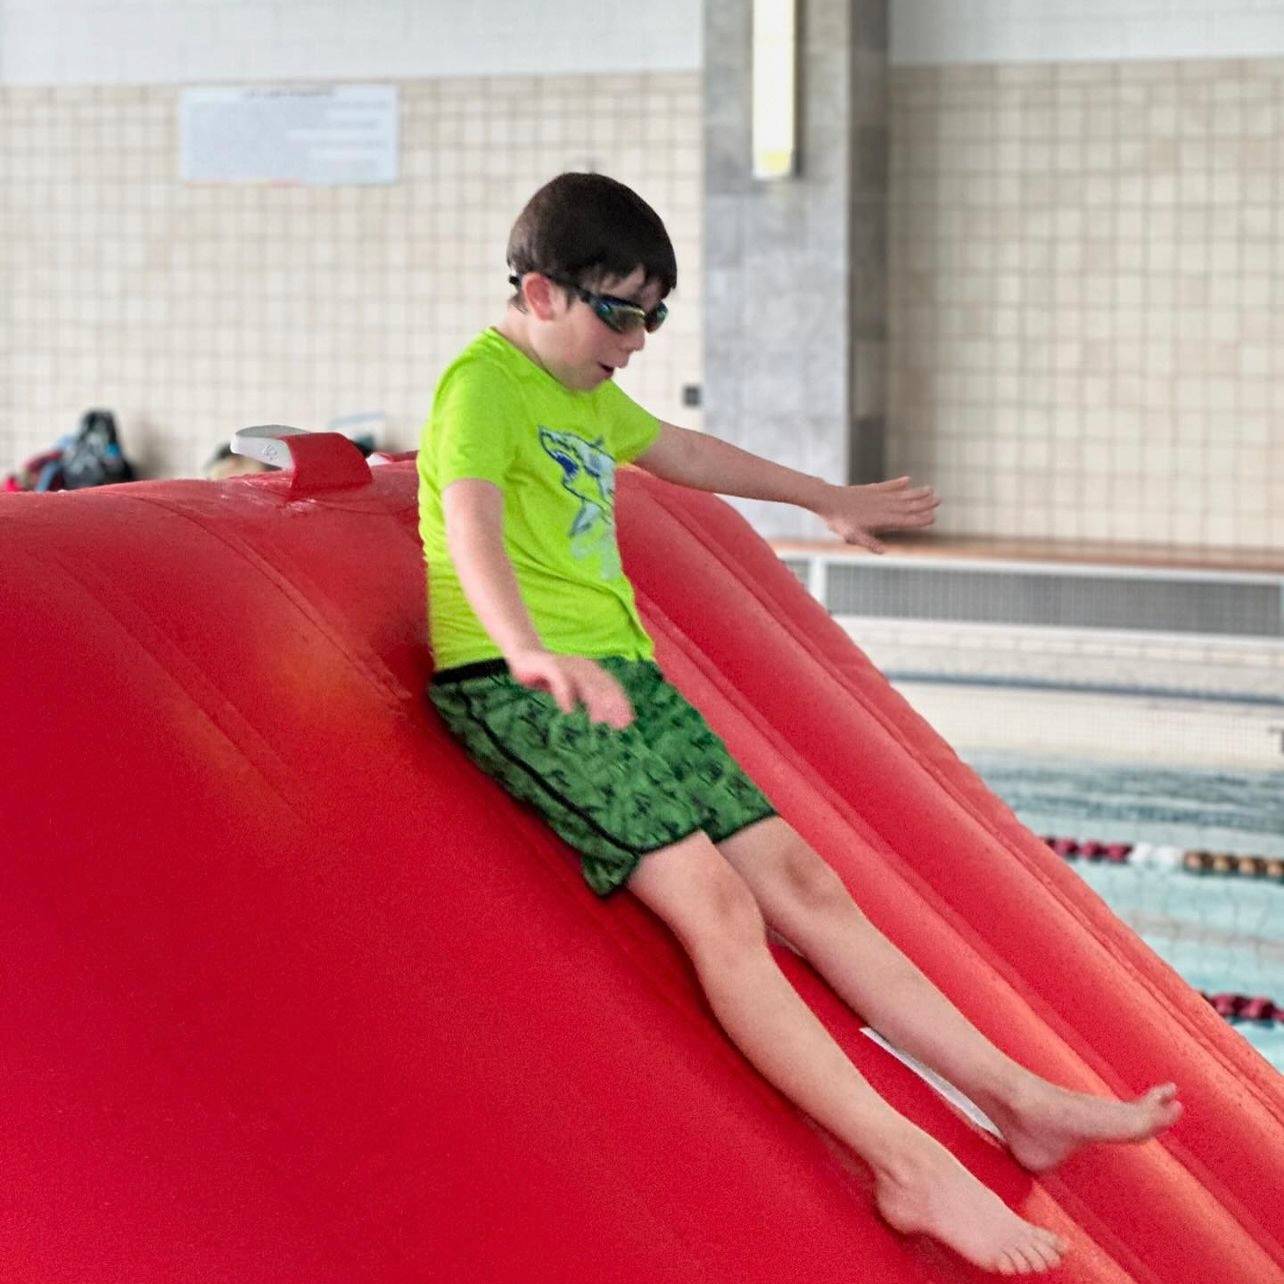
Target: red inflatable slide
point(293, 994)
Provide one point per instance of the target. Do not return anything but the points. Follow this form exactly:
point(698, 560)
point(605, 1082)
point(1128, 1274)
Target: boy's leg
point(920, 1186)
point(806, 902)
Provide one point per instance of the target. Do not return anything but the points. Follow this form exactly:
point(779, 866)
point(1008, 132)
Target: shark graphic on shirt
point(588, 473)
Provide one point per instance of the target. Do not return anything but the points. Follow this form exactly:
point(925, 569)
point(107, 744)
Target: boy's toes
point(1012, 1261)
point(1041, 1259)
point(1045, 1256)
point(1164, 1107)
point(1032, 1258)
point(1052, 1242)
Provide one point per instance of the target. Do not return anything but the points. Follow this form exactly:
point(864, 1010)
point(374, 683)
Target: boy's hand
point(854, 512)
point(573, 680)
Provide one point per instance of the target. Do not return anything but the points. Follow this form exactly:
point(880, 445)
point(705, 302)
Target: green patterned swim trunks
point(613, 795)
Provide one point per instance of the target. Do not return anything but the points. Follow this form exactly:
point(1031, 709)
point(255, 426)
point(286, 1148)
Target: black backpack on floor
point(93, 456)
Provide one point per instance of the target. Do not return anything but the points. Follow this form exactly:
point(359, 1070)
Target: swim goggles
point(622, 316)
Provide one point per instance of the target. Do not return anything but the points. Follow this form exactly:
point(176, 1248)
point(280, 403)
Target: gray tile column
point(795, 326)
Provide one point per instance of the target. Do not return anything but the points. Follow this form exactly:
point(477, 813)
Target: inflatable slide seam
point(213, 704)
point(380, 677)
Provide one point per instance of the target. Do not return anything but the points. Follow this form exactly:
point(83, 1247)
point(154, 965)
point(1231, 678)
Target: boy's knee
point(732, 915)
point(701, 897)
point(812, 883)
point(789, 876)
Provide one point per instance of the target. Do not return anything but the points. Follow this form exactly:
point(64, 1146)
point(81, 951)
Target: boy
point(545, 673)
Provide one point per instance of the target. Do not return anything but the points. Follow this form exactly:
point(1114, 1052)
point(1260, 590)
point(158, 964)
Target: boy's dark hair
point(585, 227)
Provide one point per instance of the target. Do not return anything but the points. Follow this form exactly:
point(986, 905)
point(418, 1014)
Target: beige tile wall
point(1087, 298)
point(1087, 279)
point(193, 310)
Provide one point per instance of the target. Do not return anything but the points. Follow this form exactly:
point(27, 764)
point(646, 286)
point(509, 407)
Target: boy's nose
point(636, 339)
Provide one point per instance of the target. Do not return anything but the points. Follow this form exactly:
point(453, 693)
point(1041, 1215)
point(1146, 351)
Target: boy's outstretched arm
point(853, 513)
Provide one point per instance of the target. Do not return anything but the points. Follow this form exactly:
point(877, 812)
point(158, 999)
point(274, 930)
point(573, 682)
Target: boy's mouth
point(606, 370)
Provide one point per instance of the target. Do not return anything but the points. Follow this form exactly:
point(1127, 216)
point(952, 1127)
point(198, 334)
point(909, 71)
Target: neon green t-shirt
point(498, 416)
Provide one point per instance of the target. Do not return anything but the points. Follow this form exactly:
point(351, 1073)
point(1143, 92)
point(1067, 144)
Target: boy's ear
point(542, 296)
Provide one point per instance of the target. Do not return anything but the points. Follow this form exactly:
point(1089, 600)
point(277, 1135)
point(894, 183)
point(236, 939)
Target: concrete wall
point(795, 329)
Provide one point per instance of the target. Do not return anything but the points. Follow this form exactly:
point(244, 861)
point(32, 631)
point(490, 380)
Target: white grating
point(1055, 595)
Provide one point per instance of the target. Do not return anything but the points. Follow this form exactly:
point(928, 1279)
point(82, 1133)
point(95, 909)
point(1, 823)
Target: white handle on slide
point(264, 443)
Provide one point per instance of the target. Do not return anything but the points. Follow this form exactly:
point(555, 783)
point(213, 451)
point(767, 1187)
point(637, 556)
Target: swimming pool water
point(1219, 933)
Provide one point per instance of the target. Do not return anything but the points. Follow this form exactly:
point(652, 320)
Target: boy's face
point(577, 347)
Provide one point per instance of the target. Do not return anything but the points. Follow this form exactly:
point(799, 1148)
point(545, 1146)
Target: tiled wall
point(192, 310)
point(1087, 279)
point(1087, 294)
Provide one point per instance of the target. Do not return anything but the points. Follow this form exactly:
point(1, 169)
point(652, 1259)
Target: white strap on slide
point(943, 1086)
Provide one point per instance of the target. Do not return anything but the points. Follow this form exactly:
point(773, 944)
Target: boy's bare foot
point(1044, 1124)
point(925, 1190)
